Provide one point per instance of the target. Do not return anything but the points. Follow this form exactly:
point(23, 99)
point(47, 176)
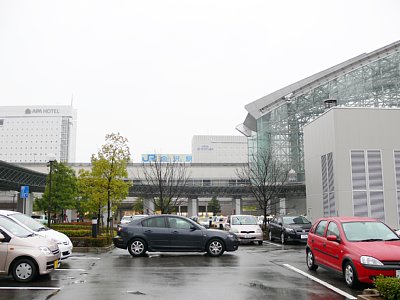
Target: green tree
point(64, 191)
point(109, 168)
point(138, 205)
point(214, 206)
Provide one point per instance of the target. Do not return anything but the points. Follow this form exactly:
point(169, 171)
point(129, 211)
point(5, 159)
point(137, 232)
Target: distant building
point(219, 149)
point(33, 134)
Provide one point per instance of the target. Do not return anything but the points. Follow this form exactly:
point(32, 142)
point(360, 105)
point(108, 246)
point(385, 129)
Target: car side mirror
point(280, 224)
point(227, 226)
point(332, 238)
point(193, 228)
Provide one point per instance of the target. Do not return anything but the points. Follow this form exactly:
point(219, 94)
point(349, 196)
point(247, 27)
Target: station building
point(276, 122)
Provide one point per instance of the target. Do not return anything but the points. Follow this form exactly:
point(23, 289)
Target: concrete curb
point(93, 249)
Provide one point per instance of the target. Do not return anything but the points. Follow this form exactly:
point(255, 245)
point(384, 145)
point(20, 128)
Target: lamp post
point(51, 162)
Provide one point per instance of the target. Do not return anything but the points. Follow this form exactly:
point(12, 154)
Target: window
point(333, 229)
point(154, 222)
point(321, 228)
point(178, 223)
point(1, 122)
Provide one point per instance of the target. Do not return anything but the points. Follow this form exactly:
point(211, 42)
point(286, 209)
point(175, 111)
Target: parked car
point(246, 228)
point(220, 222)
point(359, 248)
point(289, 228)
point(204, 221)
point(130, 218)
point(63, 242)
point(40, 218)
point(171, 233)
point(24, 254)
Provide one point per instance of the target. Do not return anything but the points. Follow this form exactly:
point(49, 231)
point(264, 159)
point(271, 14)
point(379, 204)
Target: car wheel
point(283, 239)
point(215, 248)
point(310, 261)
point(137, 247)
point(350, 275)
point(260, 242)
point(24, 270)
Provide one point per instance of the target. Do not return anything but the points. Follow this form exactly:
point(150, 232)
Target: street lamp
point(51, 162)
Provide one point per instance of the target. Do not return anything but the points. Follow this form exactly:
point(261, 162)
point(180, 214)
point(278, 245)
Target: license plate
point(247, 236)
point(304, 236)
point(398, 273)
point(56, 264)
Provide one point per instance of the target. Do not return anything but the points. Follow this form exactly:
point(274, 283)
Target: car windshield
point(368, 232)
point(14, 228)
point(295, 220)
point(244, 220)
point(28, 222)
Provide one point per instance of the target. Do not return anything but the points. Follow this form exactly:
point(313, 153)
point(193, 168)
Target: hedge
point(102, 241)
point(388, 287)
point(76, 233)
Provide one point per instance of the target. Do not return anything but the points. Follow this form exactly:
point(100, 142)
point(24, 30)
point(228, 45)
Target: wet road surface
point(253, 272)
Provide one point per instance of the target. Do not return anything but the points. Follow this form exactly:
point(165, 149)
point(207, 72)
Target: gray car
point(171, 233)
point(289, 228)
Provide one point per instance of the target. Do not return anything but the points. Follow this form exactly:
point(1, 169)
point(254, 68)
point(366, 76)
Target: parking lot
point(269, 271)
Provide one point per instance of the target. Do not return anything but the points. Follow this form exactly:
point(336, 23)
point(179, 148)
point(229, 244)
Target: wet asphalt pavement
point(252, 272)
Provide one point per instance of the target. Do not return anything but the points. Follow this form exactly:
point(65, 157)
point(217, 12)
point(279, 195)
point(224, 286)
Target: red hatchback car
point(359, 248)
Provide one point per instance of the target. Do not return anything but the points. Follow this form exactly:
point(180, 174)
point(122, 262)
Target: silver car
point(24, 254)
point(246, 228)
point(63, 241)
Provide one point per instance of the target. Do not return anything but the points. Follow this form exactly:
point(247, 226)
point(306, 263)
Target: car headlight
point(368, 260)
point(231, 236)
point(45, 250)
point(234, 230)
point(258, 230)
point(289, 229)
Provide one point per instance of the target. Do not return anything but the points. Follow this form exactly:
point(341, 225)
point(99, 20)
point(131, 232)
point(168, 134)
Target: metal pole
point(49, 204)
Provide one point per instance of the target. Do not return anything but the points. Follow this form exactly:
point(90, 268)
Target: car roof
point(345, 219)
point(4, 212)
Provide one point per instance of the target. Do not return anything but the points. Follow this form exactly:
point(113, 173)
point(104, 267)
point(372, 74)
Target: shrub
point(388, 287)
point(76, 233)
point(102, 241)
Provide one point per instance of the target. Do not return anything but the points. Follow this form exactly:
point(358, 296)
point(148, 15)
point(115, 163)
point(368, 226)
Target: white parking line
point(329, 286)
point(77, 270)
point(269, 243)
point(83, 258)
point(30, 288)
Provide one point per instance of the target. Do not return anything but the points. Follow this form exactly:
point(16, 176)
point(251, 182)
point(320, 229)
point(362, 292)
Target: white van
point(64, 243)
point(24, 254)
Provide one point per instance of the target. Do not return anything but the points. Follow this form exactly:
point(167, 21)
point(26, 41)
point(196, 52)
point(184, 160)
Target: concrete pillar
point(148, 206)
point(193, 207)
point(237, 206)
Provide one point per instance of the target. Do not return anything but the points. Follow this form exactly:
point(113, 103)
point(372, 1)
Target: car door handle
point(175, 231)
point(148, 231)
point(324, 244)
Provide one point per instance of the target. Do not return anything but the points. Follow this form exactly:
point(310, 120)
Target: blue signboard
point(24, 192)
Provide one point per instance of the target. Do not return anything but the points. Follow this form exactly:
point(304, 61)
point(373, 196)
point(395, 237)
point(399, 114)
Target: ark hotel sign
point(39, 111)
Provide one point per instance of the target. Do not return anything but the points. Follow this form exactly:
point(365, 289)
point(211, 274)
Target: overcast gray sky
point(162, 71)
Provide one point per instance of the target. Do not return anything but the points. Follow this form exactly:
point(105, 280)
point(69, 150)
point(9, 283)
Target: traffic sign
point(24, 192)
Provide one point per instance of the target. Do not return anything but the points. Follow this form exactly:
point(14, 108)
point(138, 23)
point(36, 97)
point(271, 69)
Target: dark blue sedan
point(171, 233)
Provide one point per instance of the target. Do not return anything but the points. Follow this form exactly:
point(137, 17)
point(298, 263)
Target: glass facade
point(375, 84)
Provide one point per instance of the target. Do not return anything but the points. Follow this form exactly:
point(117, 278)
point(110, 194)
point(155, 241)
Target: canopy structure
point(12, 177)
